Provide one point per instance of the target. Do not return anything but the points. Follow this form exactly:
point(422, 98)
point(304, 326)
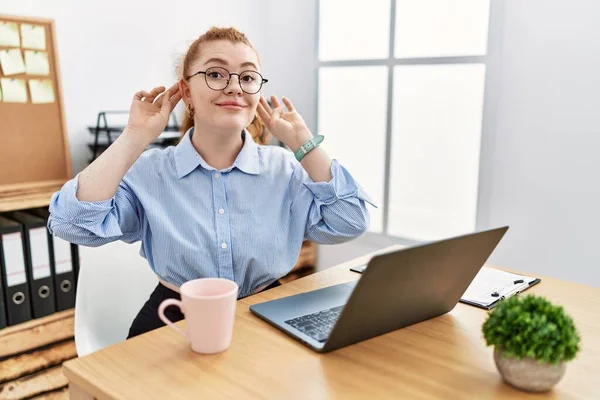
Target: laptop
point(397, 289)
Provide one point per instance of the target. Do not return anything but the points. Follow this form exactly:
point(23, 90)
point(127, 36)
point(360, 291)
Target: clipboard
point(490, 286)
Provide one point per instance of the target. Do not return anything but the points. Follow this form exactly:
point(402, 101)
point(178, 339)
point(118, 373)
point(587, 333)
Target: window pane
point(436, 132)
point(352, 115)
point(347, 32)
point(435, 28)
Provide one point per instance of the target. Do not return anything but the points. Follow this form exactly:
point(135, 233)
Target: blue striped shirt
point(245, 223)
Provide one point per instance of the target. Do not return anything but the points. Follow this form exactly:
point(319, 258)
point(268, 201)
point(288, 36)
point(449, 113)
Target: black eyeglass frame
point(239, 75)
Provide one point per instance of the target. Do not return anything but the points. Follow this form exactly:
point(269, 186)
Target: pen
point(513, 291)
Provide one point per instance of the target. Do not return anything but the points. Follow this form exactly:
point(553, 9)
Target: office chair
point(114, 283)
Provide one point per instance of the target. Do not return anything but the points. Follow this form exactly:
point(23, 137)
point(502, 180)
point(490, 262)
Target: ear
point(184, 89)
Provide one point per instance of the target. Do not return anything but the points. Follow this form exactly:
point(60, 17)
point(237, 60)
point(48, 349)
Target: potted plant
point(533, 340)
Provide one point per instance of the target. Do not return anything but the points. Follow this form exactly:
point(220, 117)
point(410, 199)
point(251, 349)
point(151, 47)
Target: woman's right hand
point(150, 111)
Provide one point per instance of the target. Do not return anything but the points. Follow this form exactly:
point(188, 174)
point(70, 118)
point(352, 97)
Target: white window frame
point(494, 33)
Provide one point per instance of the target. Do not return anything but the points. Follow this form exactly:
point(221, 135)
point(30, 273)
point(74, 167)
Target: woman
point(218, 204)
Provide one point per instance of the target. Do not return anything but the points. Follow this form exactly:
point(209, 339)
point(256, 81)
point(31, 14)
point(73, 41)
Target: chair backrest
point(114, 283)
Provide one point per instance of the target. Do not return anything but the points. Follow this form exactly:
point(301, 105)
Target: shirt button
point(223, 245)
point(221, 211)
point(217, 175)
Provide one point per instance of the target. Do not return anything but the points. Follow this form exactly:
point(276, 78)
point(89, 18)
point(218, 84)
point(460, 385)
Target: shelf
point(120, 129)
point(22, 197)
point(164, 138)
point(32, 323)
point(169, 137)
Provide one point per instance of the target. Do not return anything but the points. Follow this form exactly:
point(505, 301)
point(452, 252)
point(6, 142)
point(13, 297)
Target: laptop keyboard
point(317, 325)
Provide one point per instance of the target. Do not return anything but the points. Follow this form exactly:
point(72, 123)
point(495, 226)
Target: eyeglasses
point(218, 78)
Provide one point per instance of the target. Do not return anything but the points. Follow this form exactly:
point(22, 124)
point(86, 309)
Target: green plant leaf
point(531, 326)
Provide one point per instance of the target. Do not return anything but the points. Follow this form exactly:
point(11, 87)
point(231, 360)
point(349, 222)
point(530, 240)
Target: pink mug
point(209, 308)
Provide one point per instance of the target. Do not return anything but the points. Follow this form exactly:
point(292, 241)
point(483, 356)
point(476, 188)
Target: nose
point(234, 88)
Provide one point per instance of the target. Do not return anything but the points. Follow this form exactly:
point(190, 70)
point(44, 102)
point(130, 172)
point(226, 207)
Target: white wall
point(540, 160)
point(110, 50)
point(288, 54)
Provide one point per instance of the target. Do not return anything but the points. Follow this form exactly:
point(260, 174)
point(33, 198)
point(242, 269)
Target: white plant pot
point(528, 374)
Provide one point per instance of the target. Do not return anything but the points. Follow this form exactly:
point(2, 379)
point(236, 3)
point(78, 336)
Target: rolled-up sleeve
point(336, 210)
point(95, 223)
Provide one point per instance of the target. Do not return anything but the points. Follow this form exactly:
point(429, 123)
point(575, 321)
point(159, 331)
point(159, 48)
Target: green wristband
point(309, 145)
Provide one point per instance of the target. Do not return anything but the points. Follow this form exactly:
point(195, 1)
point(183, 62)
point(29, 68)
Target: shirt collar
point(188, 159)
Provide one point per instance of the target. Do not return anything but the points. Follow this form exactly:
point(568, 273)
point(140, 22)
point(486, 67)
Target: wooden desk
point(444, 358)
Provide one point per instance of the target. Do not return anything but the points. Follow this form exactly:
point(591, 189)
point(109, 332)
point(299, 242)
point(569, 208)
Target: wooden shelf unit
point(22, 197)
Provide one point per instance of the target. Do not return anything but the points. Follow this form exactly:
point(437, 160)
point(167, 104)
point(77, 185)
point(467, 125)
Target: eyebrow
point(223, 62)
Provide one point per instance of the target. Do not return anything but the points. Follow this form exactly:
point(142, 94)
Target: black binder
point(3, 321)
point(75, 258)
point(14, 272)
point(62, 261)
point(37, 260)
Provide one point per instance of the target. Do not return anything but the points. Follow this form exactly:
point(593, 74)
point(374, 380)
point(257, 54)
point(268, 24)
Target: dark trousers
point(147, 319)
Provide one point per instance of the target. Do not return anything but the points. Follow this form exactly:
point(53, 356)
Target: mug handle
point(161, 313)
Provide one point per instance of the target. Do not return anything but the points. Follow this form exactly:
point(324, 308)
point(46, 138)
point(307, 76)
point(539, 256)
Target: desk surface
point(443, 358)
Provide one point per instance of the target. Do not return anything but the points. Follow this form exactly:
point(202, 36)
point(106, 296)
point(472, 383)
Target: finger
point(174, 100)
point(288, 104)
point(263, 114)
point(153, 93)
point(175, 92)
point(265, 105)
point(170, 92)
point(141, 95)
point(159, 100)
point(172, 88)
point(275, 102)
point(164, 102)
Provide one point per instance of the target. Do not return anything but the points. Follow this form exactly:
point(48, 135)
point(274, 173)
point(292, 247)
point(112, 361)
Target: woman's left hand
point(287, 126)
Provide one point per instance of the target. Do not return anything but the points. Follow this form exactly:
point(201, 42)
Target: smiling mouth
point(231, 106)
